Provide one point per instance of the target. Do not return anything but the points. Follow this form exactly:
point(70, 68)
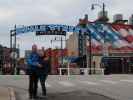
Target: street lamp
point(13, 49)
point(104, 17)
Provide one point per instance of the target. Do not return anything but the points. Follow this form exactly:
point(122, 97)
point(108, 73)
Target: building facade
point(72, 45)
point(117, 38)
point(6, 60)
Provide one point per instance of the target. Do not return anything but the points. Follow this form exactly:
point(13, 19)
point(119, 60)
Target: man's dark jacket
point(32, 62)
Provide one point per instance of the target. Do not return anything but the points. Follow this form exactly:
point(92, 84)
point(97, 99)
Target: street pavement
point(4, 93)
point(95, 87)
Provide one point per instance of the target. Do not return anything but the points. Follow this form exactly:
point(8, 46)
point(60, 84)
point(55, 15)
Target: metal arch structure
point(47, 28)
point(50, 29)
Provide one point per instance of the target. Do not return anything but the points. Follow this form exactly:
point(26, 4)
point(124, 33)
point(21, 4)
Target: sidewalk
point(7, 93)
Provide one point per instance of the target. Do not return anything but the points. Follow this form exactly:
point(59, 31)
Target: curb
point(12, 93)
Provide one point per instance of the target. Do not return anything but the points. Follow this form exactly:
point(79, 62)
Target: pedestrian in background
point(33, 64)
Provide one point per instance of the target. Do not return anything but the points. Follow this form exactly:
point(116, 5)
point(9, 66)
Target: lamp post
point(104, 18)
point(11, 62)
point(15, 54)
point(13, 49)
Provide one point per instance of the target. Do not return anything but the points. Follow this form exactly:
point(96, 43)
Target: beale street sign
point(51, 29)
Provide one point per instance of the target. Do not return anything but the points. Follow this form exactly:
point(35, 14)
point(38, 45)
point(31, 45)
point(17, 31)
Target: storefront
point(117, 65)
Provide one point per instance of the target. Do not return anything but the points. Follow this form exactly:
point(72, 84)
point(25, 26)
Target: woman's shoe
point(30, 97)
point(44, 94)
point(35, 97)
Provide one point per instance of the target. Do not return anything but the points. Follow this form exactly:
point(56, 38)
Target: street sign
point(51, 32)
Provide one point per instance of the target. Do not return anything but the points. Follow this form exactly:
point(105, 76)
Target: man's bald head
point(34, 48)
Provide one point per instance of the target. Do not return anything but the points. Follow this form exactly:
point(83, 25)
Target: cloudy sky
point(28, 12)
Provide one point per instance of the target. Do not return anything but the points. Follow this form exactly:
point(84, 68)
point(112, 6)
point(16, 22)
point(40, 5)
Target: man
point(33, 64)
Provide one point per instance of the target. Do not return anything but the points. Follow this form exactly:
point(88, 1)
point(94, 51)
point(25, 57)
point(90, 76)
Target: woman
point(44, 70)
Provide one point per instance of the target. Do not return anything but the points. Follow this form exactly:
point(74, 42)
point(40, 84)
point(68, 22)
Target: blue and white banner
point(47, 28)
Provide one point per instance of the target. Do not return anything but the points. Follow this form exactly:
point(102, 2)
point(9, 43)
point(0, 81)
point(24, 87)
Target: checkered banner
point(48, 29)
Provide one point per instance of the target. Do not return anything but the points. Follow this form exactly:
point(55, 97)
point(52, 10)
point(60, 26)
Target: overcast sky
point(28, 12)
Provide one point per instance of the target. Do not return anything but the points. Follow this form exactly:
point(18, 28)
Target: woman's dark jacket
point(46, 67)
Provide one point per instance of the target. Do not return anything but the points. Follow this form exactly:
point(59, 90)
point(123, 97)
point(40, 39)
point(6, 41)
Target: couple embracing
point(38, 69)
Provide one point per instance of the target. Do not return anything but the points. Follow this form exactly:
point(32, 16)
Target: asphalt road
point(96, 87)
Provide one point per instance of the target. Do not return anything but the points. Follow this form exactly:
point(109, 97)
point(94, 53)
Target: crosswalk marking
point(65, 83)
point(72, 84)
point(90, 83)
point(108, 81)
point(130, 81)
point(47, 85)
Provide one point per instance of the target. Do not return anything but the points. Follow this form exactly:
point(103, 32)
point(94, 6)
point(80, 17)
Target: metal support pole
point(86, 53)
point(11, 40)
point(103, 10)
point(90, 52)
point(61, 51)
point(14, 50)
point(11, 61)
point(15, 39)
point(104, 19)
point(68, 69)
point(94, 64)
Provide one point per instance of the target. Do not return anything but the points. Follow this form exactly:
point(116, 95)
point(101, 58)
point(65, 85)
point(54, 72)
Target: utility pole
point(90, 52)
point(104, 11)
point(13, 49)
point(11, 61)
point(103, 20)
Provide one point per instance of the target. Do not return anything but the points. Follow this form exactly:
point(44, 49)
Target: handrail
point(84, 69)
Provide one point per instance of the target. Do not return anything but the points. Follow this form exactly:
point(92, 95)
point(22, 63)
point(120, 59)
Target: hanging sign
point(51, 29)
